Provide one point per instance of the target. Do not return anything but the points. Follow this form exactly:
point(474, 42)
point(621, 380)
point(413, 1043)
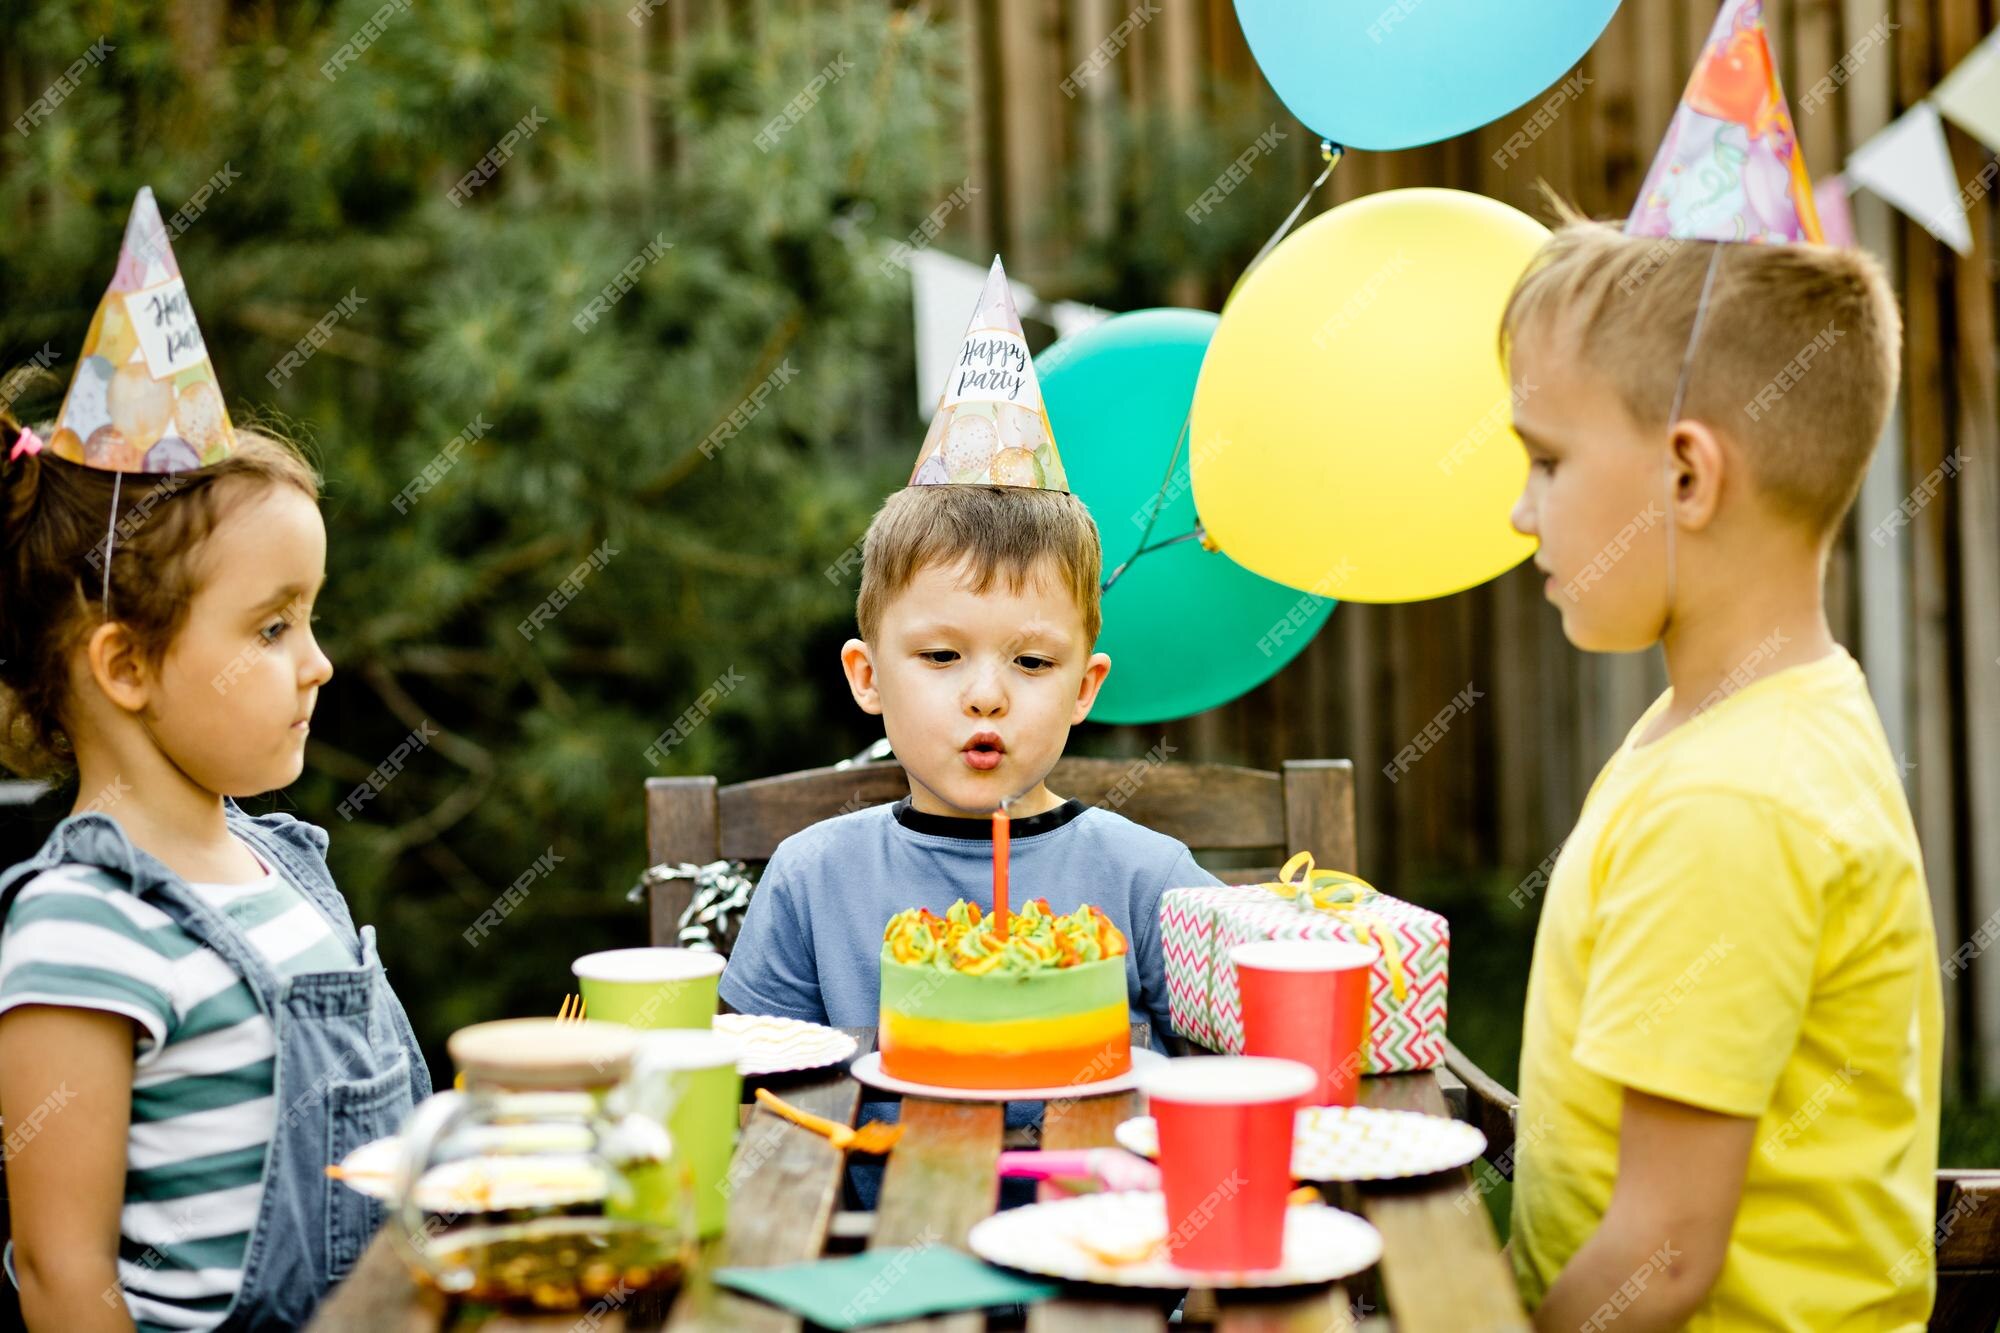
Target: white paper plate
point(371, 1168)
point(773, 1045)
point(869, 1070)
point(1322, 1244)
point(1353, 1143)
point(482, 1184)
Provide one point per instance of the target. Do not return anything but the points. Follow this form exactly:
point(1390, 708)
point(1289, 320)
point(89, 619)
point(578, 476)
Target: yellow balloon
point(1352, 429)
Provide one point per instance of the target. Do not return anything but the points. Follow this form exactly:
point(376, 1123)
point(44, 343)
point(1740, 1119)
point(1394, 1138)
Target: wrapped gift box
point(1198, 927)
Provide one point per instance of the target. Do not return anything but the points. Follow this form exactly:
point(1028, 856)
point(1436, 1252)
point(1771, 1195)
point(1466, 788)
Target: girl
point(191, 1029)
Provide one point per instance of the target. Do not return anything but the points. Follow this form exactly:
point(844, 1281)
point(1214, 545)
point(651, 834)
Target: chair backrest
point(1309, 806)
point(1968, 1252)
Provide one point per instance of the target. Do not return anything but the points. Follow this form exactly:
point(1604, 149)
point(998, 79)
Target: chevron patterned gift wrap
point(1198, 928)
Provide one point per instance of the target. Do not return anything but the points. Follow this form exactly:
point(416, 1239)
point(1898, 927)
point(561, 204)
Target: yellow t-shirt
point(1740, 922)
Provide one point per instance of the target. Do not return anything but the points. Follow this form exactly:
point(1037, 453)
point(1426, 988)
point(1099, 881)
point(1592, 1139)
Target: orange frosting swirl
point(963, 939)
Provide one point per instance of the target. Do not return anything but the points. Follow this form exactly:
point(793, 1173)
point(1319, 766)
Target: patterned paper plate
point(1120, 1240)
point(1353, 1143)
point(780, 1045)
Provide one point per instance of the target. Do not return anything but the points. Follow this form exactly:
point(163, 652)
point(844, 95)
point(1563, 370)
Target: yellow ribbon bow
point(1342, 893)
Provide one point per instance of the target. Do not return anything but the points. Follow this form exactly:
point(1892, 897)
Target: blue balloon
point(1386, 74)
point(1187, 629)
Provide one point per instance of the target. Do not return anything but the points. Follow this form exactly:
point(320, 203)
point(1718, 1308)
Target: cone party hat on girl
point(1730, 168)
point(144, 398)
point(991, 428)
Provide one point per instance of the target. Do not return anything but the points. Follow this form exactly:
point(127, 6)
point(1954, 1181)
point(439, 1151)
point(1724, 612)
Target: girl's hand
point(66, 1095)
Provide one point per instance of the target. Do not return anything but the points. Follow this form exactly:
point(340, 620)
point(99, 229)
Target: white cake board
point(869, 1070)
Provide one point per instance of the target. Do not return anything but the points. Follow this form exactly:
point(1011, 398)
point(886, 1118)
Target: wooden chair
point(1210, 807)
point(1968, 1207)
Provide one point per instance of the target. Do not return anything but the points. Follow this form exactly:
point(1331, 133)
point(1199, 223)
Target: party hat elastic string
point(1674, 416)
point(110, 531)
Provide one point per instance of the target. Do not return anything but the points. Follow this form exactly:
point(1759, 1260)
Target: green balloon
point(1187, 629)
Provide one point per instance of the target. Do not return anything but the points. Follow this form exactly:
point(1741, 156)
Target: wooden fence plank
point(1974, 498)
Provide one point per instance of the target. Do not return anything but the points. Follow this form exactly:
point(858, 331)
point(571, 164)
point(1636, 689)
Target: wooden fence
point(1920, 609)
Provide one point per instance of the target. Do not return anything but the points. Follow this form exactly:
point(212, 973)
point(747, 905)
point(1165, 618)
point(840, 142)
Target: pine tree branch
point(775, 346)
point(469, 755)
point(387, 628)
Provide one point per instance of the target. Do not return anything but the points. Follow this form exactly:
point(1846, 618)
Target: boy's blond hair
point(1798, 360)
point(1013, 531)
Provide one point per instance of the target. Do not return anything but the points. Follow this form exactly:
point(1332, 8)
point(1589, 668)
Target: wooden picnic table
point(1441, 1266)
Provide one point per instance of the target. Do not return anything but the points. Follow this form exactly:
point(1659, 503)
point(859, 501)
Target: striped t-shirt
point(204, 1107)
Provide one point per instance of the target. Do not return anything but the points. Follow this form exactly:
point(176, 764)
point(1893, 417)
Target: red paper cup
point(1226, 1156)
point(1307, 1000)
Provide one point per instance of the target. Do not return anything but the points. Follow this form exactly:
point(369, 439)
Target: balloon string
point(1199, 534)
point(1332, 154)
point(1155, 505)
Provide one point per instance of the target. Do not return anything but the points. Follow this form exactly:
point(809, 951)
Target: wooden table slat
point(380, 1294)
point(1088, 1122)
point(940, 1181)
point(1441, 1266)
point(1322, 1311)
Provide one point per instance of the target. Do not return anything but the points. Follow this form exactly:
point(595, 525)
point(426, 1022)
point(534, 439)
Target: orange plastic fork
point(877, 1136)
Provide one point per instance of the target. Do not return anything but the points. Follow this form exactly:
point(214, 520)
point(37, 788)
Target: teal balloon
point(1187, 629)
point(1377, 75)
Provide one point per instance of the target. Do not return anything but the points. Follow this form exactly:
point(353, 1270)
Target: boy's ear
point(1094, 673)
point(1699, 461)
point(858, 662)
point(118, 666)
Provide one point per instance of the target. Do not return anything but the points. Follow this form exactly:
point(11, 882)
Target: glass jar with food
point(523, 1190)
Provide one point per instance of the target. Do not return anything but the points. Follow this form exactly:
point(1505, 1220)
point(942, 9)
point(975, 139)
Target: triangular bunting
point(1909, 165)
point(1970, 96)
point(1836, 215)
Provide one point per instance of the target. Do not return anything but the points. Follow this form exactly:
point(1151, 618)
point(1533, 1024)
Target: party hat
point(144, 398)
point(1730, 168)
point(991, 428)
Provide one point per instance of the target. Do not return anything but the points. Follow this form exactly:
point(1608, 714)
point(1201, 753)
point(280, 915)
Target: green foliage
point(587, 440)
point(584, 439)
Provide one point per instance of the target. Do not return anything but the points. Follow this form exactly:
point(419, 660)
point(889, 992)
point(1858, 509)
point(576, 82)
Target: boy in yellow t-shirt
point(1730, 1062)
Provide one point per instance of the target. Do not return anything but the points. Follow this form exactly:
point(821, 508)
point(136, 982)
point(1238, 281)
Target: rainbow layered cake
point(1043, 1007)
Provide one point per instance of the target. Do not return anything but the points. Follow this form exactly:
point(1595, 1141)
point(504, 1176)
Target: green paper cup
point(688, 1082)
point(650, 988)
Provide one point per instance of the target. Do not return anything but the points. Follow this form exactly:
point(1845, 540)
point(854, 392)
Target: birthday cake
point(1042, 1006)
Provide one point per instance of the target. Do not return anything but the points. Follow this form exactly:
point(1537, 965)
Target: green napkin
point(881, 1286)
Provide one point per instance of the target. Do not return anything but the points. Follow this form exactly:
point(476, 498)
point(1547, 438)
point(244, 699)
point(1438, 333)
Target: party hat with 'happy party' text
point(144, 397)
point(991, 428)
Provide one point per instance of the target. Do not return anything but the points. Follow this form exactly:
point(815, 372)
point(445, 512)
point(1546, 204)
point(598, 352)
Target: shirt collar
point(981, 829)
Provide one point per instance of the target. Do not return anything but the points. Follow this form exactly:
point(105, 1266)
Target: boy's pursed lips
point(984, 750)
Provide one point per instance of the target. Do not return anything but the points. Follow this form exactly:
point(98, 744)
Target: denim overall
point(348, 1067)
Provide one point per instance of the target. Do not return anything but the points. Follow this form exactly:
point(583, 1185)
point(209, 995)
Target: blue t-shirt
point(811, 944)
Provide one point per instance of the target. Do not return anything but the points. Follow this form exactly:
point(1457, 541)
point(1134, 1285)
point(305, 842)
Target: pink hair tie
point(28, 443)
